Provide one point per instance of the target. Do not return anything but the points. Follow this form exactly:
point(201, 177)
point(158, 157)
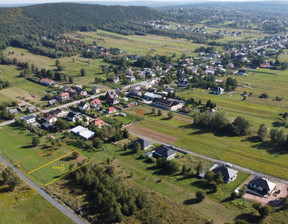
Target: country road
point(65, 210)
point(240, 168)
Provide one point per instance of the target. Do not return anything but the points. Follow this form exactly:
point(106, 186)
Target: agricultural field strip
point(254, 158)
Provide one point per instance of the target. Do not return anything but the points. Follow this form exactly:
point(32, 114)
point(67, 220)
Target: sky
point(10, 2)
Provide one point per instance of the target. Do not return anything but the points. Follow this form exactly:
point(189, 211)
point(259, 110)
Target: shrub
point(200, 195)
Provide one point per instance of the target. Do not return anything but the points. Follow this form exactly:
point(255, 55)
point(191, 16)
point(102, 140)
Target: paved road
point(242, 169)
point(68, 212)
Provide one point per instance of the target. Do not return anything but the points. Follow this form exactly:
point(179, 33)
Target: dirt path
point(152, 134)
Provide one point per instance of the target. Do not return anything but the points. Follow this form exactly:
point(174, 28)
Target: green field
point(39, 162)
point(26, 207)
point(238, 150)
point(140, 45)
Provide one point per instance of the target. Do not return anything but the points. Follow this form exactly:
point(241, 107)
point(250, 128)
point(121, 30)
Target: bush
point(200, 195)
point(264, 95)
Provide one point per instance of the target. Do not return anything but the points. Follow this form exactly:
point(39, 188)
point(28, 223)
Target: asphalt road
point(68, 212)
point(240, 168)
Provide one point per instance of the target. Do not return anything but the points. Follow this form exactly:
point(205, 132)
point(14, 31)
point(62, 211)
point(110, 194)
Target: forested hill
point(51, 19)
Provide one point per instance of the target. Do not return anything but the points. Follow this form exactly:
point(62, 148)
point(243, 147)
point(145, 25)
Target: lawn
point(238, 150)
point(36, 161)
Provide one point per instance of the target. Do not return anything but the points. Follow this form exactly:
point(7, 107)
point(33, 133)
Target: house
point(96, 103)
point(31, 109)
point(52, 102)
point(22, 105)
point(69, 90)
point(60, 113)
point(96, 89)
point(111, 110)
point(149, 96)
point(167, 104)
point(131, 78)
point(165, 152)
point(120, 91)
point(49, 118)
point(228, 174)
point(129, 72)
point(241, 72)
point(112, 97)
point(71, 116)
point(115, 79)
point(84, 106)
point(84, 133)
point(29, 119)
point(47, 82)
point(261, 185)
point(144, 143)
point(46, 125)
point(13, 111)
point(132, 104)
point(98, 122)
point(81, 92)
point(218, 90)
point(63, 96)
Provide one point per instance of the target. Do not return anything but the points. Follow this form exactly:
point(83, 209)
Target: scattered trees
point(10, 178)
point(170, 115)
point(159, 112)
point(262, 132)
point(82, 72)
point(35, 141)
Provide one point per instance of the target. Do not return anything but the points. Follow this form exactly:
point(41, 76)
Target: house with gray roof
point(228, 174)
point(165, 152)
point(261, 185)
point(144, 143)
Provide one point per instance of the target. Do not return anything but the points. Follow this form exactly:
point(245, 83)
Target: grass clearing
point(149, 44)
point(254, 155)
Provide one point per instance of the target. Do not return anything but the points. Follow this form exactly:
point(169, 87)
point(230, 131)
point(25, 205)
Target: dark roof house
point(165, 152)
point(261, 185)
point(144, 143)
point(228, 174)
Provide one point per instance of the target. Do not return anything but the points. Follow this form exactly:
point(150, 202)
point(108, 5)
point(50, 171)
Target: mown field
point(72, 66)
point(140, 45)
point(26, 206)
point(256, 110)
point(254, 155)
point(20, 87)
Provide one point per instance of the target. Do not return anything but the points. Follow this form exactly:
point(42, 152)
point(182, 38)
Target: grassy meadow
point(25, 205)
point(140, 45)
point(254, 155)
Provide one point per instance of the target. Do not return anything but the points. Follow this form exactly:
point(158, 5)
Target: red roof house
point(98, 122)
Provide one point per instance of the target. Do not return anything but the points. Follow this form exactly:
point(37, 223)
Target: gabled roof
point(82, 104)
point(48, 116)
point(71, 114)
point(96, 101)
point(98, 121)
point(29, 117)
point(111, 109)
point(144, 143)
point(226, 172)
point(164, 151)
point(48, 81)
point(264, 183)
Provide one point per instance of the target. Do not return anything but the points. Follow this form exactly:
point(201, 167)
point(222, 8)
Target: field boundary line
point(51, 161)
point(36, 153)
point(68, 172)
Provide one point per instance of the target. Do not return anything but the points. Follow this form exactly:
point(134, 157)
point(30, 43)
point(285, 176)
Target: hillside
point(51, 19)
